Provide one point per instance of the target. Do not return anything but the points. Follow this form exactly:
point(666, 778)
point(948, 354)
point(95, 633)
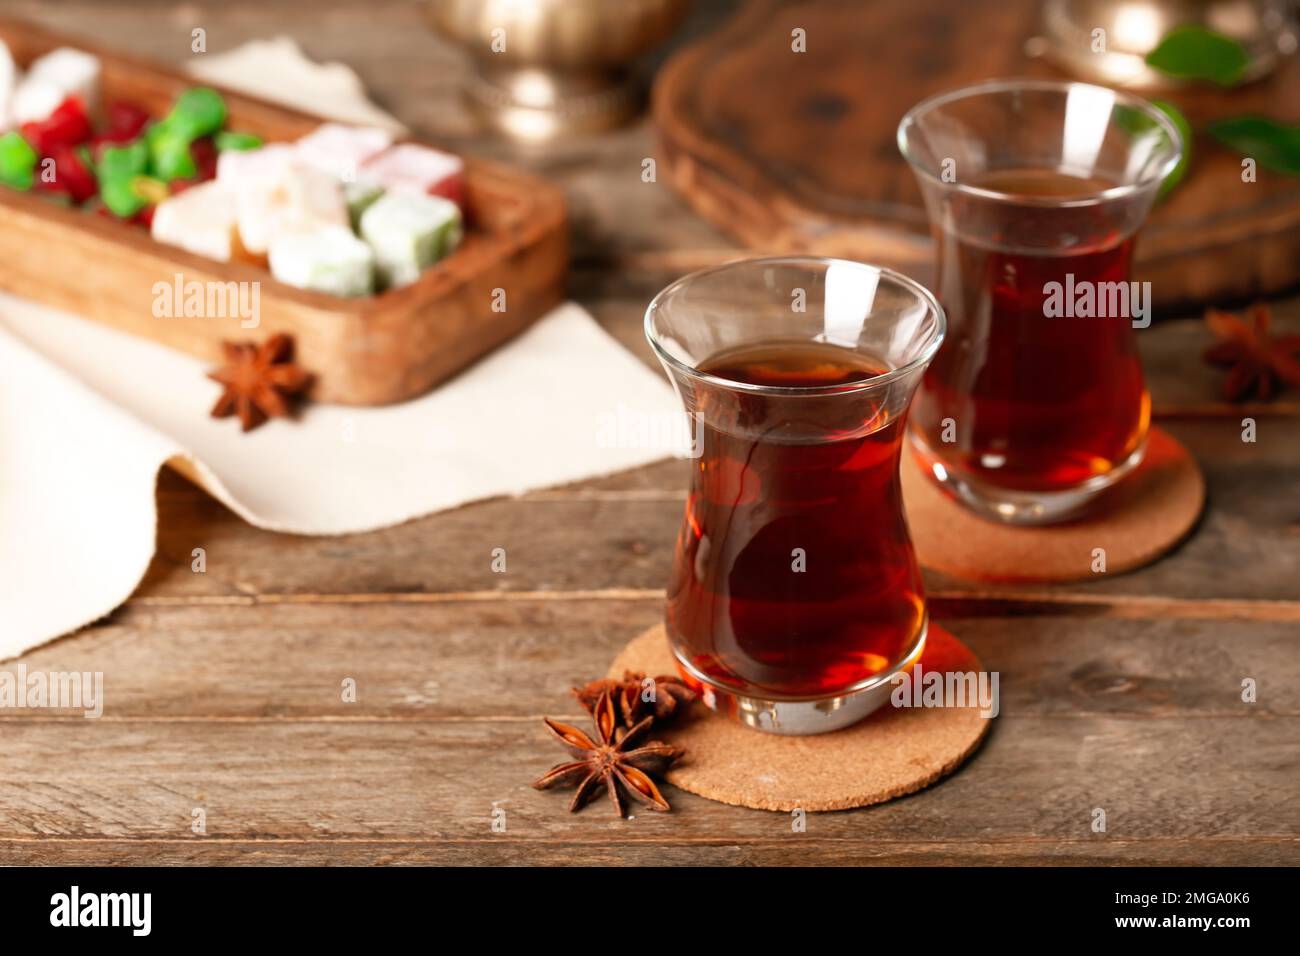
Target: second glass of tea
point(1036, 403)
point(795, 595)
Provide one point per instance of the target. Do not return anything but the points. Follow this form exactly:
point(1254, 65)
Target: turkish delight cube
point(51, 79)
point(200, 220)
point(342, 150)
point(409, 232)
point(276, 193)
point(242, 168)
point(9, 80)
point(359, 197)
point(35, 99)
point(330, 260)
point(411, 168)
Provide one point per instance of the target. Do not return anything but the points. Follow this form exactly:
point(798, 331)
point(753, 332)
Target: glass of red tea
point(795, 595)
point(1036, 403)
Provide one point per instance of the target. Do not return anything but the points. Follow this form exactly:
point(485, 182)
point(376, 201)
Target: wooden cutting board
point(795, 152)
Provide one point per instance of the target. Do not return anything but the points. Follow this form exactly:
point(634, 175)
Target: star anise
point(260, 380)
point(1258, 364)
point(610, 761)
point(629, 695)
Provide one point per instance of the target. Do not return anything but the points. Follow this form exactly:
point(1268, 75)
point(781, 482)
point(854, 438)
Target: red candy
point(68, 125)
point(453, 188)
point(70, 175)
point(126, 121)
point(204, 152)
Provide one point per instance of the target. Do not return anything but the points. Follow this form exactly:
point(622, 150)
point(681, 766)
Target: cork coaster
point(893, 752)
point(1140, 519)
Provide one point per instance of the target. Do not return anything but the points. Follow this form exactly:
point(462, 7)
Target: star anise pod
point(610, 761)
point(260, 380)
point(1258, 364)
point(668, 695)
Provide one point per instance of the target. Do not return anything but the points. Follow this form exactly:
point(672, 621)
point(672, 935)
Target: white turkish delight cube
point(276, 193)
point(242, 168)
point(330, 260)
point(9, 79)
point(409, 232)
point(51, 79)
point(200, 220)
point(411, 168)
point(342, 150)
point(35, 99)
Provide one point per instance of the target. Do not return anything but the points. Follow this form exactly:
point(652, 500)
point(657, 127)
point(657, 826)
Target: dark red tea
point(794, 573)
point(1037, 402)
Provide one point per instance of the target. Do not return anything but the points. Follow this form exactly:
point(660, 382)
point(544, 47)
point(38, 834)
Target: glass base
point(801, 716)
point(1010, 506)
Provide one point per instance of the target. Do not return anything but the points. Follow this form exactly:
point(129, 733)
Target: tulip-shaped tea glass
point(1035, 189)
point(795, 595)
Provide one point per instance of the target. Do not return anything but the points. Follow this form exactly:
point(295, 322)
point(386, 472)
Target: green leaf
point(1271, 144)
point(1137, 122)
point(1195, 53)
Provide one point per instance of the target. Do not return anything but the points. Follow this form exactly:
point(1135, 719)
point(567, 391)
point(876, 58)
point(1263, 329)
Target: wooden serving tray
point(795, 152)
point(363, 351)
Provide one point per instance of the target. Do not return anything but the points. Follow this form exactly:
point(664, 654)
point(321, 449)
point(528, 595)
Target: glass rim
point(985, 87)
point(923, 295)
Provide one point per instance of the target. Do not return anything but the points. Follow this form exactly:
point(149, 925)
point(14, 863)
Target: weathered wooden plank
point(517, 660)
point(552, 543)
point(1035, 779)
point(618, 532)
point(503, 850)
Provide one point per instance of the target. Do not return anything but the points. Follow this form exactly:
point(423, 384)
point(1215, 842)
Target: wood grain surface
point(223, 689)
point(793, 151)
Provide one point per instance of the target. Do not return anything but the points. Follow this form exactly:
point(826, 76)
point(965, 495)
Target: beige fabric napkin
point(88, 415)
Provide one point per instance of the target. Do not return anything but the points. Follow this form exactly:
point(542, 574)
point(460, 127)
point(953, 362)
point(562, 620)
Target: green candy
point(123, 162)
point(126, 197)
point(171, 158)
point(118, 168)
point(237, 141)
point(120, 197)
point(197, 112)
point(156, 130)
point(17, 162)
point(135, 175)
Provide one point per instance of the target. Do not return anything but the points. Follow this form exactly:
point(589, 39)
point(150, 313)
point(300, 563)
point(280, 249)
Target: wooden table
point(224, 688)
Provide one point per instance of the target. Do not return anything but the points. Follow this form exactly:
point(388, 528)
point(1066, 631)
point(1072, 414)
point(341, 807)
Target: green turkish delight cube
point(409, 232)
point(329, 259)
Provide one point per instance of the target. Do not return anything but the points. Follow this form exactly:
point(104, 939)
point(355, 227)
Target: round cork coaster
point(1140, 519)
point(895, 751)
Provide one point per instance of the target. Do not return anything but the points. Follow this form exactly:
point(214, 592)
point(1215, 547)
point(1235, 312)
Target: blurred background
point(804, 147)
